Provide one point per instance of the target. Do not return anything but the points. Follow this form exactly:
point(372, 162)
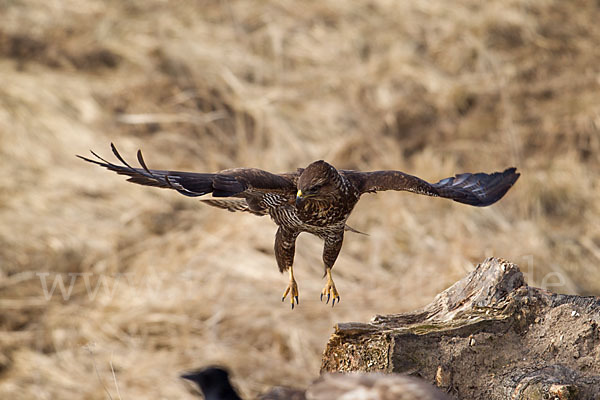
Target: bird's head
point(318, 181)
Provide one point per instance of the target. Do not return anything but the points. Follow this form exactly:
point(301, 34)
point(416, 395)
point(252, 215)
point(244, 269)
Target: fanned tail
point(351, 229)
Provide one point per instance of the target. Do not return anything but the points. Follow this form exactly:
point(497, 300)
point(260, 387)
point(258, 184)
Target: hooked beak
point(299, 198)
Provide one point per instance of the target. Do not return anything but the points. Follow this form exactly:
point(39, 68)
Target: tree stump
point(488, 336)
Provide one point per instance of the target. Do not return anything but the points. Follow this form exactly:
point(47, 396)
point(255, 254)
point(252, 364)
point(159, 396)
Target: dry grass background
point(431, 88)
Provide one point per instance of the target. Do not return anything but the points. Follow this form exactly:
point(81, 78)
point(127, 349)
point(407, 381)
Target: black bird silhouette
point(213, 382)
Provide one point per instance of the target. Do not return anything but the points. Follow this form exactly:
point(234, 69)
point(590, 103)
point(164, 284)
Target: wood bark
point(488, 336)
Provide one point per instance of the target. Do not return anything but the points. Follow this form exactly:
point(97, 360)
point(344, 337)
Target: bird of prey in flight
point(317, 199)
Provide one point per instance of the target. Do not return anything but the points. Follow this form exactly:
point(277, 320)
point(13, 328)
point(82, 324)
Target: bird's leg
point(329, 290)
point(285, 247)
point(333, 245)
point(292, 289)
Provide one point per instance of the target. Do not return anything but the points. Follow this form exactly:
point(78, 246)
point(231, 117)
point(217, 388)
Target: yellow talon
point(291, 289)
point(330, 290)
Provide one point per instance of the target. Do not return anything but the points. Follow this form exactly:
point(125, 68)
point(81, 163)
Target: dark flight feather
point(478, 189)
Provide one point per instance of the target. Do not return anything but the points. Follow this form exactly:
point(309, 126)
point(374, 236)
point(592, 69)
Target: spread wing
point(251, 184)
point(478, 189)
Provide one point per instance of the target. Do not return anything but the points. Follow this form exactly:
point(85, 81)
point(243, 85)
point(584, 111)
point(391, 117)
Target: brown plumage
point(317, 199)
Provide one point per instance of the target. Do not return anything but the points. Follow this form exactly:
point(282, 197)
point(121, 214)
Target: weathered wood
point(488, 336)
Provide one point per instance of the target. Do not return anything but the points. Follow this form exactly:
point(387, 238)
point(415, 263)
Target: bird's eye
point(314, 189)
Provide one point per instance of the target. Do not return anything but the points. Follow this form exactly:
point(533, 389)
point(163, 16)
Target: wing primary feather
point(97, 156)
point(106, 163)
point(142, 162)
point(116, 153)
point(145, 167)
point(88, 159)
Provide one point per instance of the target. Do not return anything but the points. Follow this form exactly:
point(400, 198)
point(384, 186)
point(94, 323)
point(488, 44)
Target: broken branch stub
point(487, 336)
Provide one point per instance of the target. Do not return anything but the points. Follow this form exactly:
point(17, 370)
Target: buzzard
point(317, 199)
